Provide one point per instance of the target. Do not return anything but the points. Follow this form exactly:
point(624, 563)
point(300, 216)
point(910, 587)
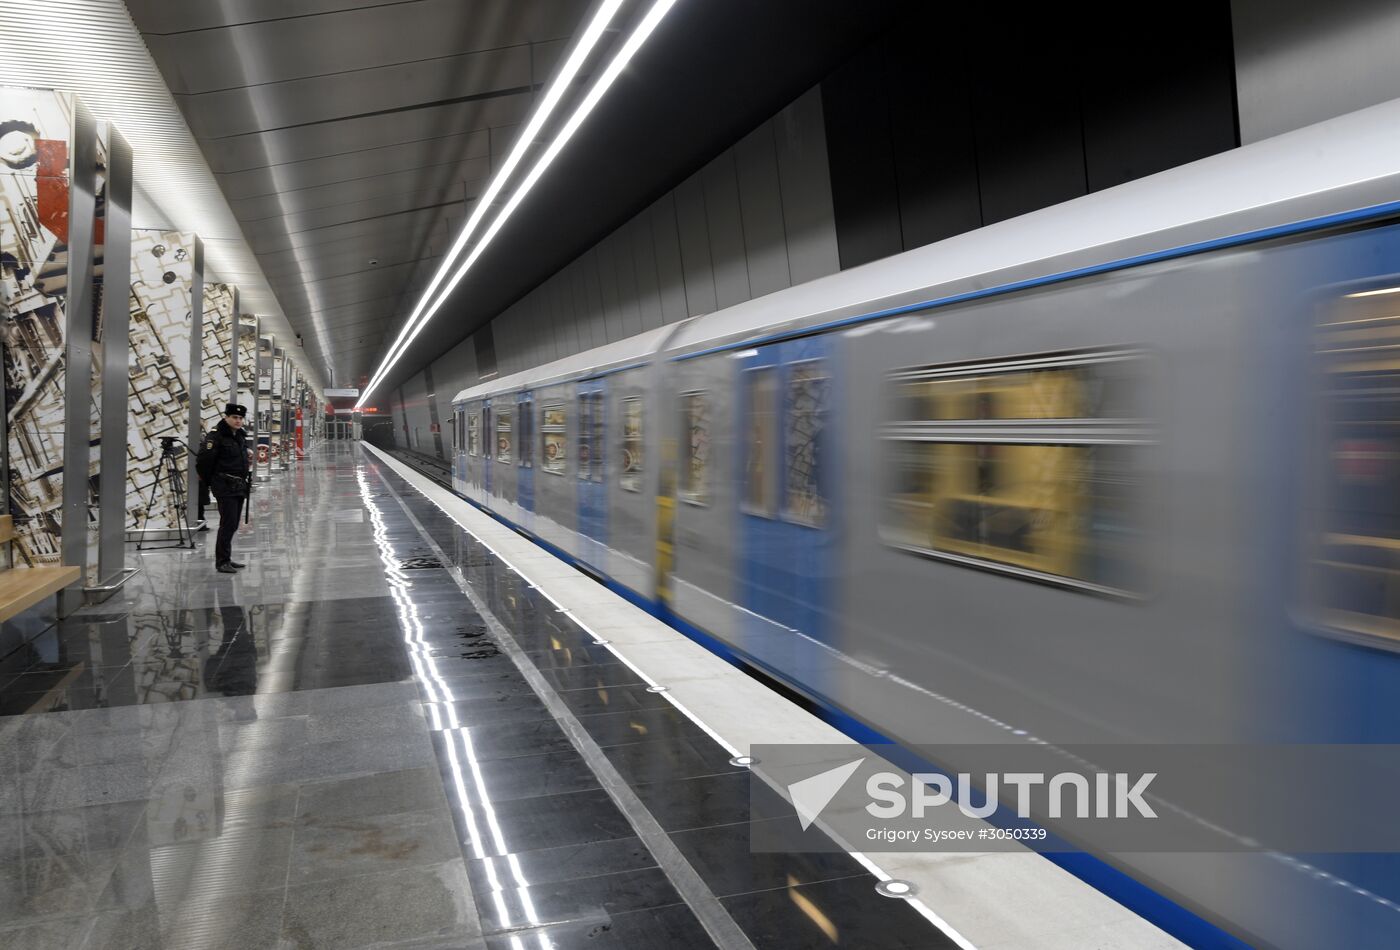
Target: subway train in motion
point(1125, 470)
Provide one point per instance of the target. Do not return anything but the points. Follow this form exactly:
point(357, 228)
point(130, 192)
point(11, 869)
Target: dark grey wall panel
point(625, 277)
point(865, 193)
point(935, 159)
point(574, 274)
point(607, 280)
point(726, 227)
point(644, 266)
point(761, 207)
point(1030, 142)
point(695, 247)
point(593, 294)
point(670, 276)
point(1302, 61)
point(1028, 113)
point(799, 133)
point(1153, 106)
point(558, 322)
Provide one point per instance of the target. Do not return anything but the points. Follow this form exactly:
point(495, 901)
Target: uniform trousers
point(230, 510)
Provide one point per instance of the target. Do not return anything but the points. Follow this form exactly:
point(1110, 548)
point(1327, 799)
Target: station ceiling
point(349, 131)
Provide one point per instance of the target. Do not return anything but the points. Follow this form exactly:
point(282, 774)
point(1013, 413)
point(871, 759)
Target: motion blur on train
point(1125, 470)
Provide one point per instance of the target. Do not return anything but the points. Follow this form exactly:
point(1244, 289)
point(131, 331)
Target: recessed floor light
point(657, 689)
point(743, 761)
point(896, 888)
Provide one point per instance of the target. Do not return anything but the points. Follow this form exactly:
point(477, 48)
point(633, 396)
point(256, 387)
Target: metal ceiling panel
point(179, 16)
point(386, 206)
point(396, 87)
point(336, 256)
point(438, 129)
point(412, 225)
point(382, 160)
point(347, 130)
point(299, 200)
point(364, 40)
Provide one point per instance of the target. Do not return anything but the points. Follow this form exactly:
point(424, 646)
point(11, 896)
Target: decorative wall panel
point(166, 308)
point(217, 369)
point(47, 169)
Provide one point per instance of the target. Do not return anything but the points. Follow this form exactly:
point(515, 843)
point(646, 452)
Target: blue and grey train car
point(1124, 470)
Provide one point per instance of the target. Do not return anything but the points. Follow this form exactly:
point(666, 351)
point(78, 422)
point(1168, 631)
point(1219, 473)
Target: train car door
point(590, 457)
point(788, 527)
point(525, 451)
point(488, 448)
point(459, 473)
point(471, 420)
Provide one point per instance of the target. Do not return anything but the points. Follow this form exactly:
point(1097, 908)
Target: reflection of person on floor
point(233, 669)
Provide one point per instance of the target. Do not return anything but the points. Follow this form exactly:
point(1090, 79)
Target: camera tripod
point(168, 472)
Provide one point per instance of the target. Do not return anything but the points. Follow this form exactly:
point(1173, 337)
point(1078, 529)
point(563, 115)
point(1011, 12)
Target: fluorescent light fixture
point(639, 36)
point(591, 35)
point(1376, 293)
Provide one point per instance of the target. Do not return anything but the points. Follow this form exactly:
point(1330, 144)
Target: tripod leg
point(151, 502)
point(182, 511)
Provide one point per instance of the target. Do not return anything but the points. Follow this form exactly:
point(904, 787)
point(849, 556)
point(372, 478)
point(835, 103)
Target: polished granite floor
point(331, 750)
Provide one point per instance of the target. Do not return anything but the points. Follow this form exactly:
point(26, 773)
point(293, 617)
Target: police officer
point(223, 466)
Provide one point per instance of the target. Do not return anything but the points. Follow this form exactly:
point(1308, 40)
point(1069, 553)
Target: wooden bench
point(24, 587)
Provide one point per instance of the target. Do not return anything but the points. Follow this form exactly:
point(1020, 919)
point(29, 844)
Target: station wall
point(1299, 61)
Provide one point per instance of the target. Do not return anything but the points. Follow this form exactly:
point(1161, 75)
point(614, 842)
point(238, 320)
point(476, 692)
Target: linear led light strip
point(594, 32)
point(595, 94)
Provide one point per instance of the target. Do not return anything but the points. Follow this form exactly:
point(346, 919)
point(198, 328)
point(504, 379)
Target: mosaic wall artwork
point(216, 369)
point(262, 428)
point(247, 363)
point(35, 128)
point(278, 368)
point(94, 507)
point(163, 320)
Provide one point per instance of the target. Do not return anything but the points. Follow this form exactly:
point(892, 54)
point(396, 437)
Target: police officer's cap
point(234, 409)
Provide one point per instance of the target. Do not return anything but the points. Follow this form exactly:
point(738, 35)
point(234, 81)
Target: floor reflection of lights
point(444, 718)
point(882, 876)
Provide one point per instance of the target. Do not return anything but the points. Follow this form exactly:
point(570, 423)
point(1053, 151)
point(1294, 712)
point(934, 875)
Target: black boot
point(226, 568)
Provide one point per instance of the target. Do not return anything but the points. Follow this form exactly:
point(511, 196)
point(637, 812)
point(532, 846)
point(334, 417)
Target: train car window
point(631, 476)
point(695, 413)
point(590, 437)
point(760, 439)
point(525, 440)
point(473, 434)
point(583, 451)
point(597, 418)
point(1030, 467)
point(554, 439)
point(805, 407)
point(1352, 579)
point(503, 435)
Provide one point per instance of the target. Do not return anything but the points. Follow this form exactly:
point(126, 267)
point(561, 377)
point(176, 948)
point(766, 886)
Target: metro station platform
point(397, 728)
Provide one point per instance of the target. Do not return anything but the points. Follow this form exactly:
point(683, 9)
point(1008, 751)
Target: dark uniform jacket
point(223, 461)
